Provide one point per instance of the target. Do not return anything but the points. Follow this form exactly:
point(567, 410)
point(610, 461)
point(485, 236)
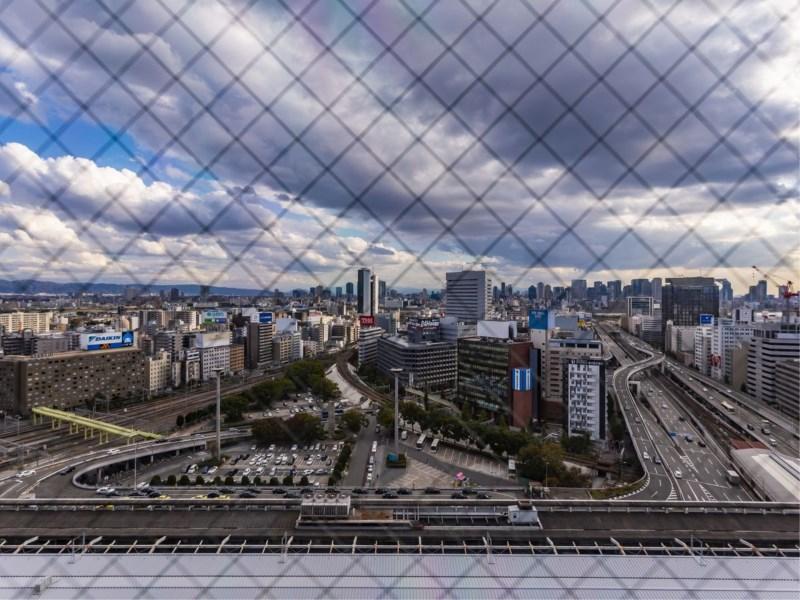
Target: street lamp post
point(396, 371)
point(219, 416)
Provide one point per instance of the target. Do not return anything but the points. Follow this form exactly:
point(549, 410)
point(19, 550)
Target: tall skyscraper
point(684, 299)
point(338, 291)
point(468, 295)
point(578, 288)
point(374, 293)
point(382, 293)
point(364, 303)
point(614, 289)
point(540, 290)
point(532, 292)
point(349, 289)
point(655, 288)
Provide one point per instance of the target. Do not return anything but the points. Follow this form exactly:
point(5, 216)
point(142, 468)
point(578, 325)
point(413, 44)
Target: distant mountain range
point(21, 286)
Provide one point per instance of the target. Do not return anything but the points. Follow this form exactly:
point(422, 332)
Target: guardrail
point(749, 507)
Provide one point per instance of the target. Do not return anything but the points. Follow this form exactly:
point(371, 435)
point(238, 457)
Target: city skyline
point(275, 187)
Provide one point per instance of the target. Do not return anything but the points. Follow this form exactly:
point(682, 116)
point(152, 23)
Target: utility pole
point(219, 417)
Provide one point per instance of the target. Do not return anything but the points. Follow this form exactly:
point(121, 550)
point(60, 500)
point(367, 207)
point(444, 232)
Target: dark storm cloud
point(541, 118)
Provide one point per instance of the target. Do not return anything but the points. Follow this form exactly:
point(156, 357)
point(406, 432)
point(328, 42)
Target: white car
point(105, 491)
point(212, 470)
point(246, 472)
point(141, 485)
point(645, 455)
point(678, 474)
point(26, 473)
point(114, 451)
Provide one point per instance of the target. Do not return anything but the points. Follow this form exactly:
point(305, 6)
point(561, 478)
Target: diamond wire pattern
point(116, 15)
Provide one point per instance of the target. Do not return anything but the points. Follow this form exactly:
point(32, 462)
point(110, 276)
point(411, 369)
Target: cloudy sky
point(280, 145)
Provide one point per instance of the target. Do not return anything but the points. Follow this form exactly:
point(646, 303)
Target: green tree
point(179, 421)
point(217, 480)
point(233, 407)
point(352, 420)
point(288, 480)
point(172, 480)
point(386, 416)
point(304, 480)
point(229, 480)
point(245, 480)
point(155, 480)
point(257, 480)
point(537, 457)
point(199, 480)
point(273, 481)
point(184, 480)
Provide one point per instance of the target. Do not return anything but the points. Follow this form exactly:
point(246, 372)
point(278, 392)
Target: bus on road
point(420, 441)
point(727, 406)
point(435, 445)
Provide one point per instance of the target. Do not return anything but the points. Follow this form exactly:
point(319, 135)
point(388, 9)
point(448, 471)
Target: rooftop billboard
point(215, 316)
point(106, 340)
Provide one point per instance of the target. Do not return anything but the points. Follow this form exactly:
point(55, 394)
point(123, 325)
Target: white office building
point(702, 349)
point(368, 344)
point(771, 343)
point(158, 372)
point(585, 397)
point(727, 335)
point(468, 295)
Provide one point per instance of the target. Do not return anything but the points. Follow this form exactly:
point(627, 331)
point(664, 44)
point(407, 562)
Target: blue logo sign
point(521, 380)
point(265, 317)
point(538, 319)
point(127, 338)
point(107, 340)
point(706, 319)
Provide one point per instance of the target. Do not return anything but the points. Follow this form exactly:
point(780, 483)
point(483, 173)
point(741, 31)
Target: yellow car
point(162, 497)
point(200, 497)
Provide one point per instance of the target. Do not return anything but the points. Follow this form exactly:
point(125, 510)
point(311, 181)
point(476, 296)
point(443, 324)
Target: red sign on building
point(366, 320)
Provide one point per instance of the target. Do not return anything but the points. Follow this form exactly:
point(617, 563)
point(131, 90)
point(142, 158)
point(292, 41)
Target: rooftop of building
point(777, 474)
point(406, 343)
point(67, 355)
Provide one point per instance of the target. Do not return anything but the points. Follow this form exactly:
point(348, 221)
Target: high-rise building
point(702, 349)
point(639, 305)
point(578, 288)
point(381, 293)
point(641, 287)
point(532, 292)
point(557, 352)
point(158, 373)
point(364, 302)
point(772, 342)
point(338, 291)
point(374, 292)
point(584, 389)
point(728, 334)
point(684, 299)
point(655, 288)
point(349, 290)
point(726, 291)
point(37, 322)
point(259, 344)
point(428, 364)
point(70, 379)
point(495, 376)
point(614, 289)
point(368, 344)
point(468, 295)
point(787, 387)
point(540, 291)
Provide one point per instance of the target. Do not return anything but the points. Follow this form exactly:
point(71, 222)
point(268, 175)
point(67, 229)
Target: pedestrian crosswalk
point(709, 496)
point(673, 494)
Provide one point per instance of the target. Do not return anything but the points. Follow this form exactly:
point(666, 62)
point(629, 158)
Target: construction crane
point(784, 290)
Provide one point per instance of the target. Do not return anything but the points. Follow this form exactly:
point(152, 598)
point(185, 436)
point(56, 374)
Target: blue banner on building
point(521, 380)
point(265, 317)
point(538, 319)
point(706, 319)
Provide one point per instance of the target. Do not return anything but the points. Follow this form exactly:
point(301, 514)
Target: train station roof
point(355, 576)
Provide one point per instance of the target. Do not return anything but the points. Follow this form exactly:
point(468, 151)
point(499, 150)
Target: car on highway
point(483, 496)
point(279, 491)
point(645, 455)
point(359, 491)
point(678, 474)
point(26, 473)
point(458, 496)
point(432, 490)
point(105, 491)
point(638, 420)
point(688, 437)
point(154, 494)
point(247, 495)
point(701, 443)
point(380, 490)
point(67, 470)
point(773, 442)
point(403, 491)
point(657, 459)
point(389, 495)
